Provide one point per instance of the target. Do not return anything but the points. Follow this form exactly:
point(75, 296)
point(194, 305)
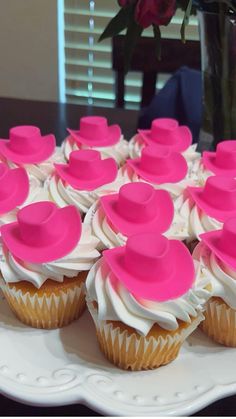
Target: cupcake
point(95, 133)
point(16, 190)
point(84, 179)
point(136, 208)
point(143, 306)
point(166, 132)
point(27, 148)
point(220, 162)
point(45, 258)
point(161, 167)
point(209, 206)
point(216, 258)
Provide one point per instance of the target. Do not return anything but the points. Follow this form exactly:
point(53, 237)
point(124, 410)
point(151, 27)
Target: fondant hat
point(27, 145)
point(159, 165)
point(95, 132)
point(138, 208)
point(223, 160)
point(14, 187)
point(217, 198)
point(149, 266)
point(43, 232)
point(86, 170)
point(167, 132)
point(223, 242)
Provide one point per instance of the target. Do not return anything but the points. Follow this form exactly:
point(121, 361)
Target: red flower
point(158, 12)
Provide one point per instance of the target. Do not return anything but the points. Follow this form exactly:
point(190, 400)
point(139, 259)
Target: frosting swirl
point(80, 259)
point(221, 276)
point(116, 303)
point(200, 222)
point(119, 151)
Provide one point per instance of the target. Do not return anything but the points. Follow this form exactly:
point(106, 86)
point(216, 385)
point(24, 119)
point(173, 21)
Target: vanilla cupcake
point(27, 148)
point(220, 162)
point(84, 180)
point(216, 259)
point(161, 167)
point(94, 133)
point(136, 208)
point(45, 258)
point(143, 306)
point(167, 132)
point(209, 206)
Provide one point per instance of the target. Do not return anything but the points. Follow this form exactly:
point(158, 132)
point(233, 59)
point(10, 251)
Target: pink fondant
point(217, 198)
point(152, 267)
point(43, 232)
point(159, 165)
point(95, 132)
point(167, 132)
point(14, 187)
point(137, 208)
point(86, 170)
point(27, 145)
point(223, 160)
point(223, 242)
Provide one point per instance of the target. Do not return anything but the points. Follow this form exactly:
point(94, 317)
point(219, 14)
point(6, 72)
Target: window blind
point(89, 78)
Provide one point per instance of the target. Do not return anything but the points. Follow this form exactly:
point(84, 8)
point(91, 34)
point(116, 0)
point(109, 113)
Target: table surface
point(55, 118)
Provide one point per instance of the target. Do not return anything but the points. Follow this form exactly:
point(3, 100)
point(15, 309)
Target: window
point(88, 76)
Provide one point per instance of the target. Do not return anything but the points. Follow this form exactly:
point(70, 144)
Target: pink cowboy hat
point(43, 232)
point(138, 208)
point(159, 165)
point(27, 145)
point(149, 266)
point(223, 160)
point(167, 132)
point(86, 170)
point(217, 198)
point(223, 242)
point(95, 132)
point(14, 187)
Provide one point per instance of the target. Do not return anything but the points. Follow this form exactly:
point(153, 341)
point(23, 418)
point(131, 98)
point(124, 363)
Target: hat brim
point(71, 232)
point(160, 223)
point(220, 215)
point(46, 148)
point(211, 240)
point(160, 290)
point(19, 190)
point(108, 175)
point(208, 159)
point(114, 134)
point(178, 165)
point(183, 139)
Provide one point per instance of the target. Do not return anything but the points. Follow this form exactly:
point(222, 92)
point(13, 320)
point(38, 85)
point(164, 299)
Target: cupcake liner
point(46, 312)
point(136, 352)
point(220, 322)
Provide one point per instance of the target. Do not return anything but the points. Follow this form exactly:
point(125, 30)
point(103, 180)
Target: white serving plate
point(65, 366)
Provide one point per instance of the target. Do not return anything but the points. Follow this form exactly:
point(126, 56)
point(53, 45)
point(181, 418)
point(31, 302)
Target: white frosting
point(179, 229)
point(221, 276)
point(201, 172)
point(63, 194)
point(80, 259)
point(116, 303)
point(200, 222)
point(119, 151)
point(42, 170)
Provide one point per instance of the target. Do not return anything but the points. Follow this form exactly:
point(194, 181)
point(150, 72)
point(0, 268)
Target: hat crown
point(227, 241)
point(220, 192)
point(226, 154)
point(163, 130)
point(93, 127)
point(156, 160)
point(39, 223)
point(137, 202)
point(147, 257)
point(85, 164)
point(23, 138)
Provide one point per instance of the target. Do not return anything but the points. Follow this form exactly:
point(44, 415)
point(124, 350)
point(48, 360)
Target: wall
point(28, 49)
